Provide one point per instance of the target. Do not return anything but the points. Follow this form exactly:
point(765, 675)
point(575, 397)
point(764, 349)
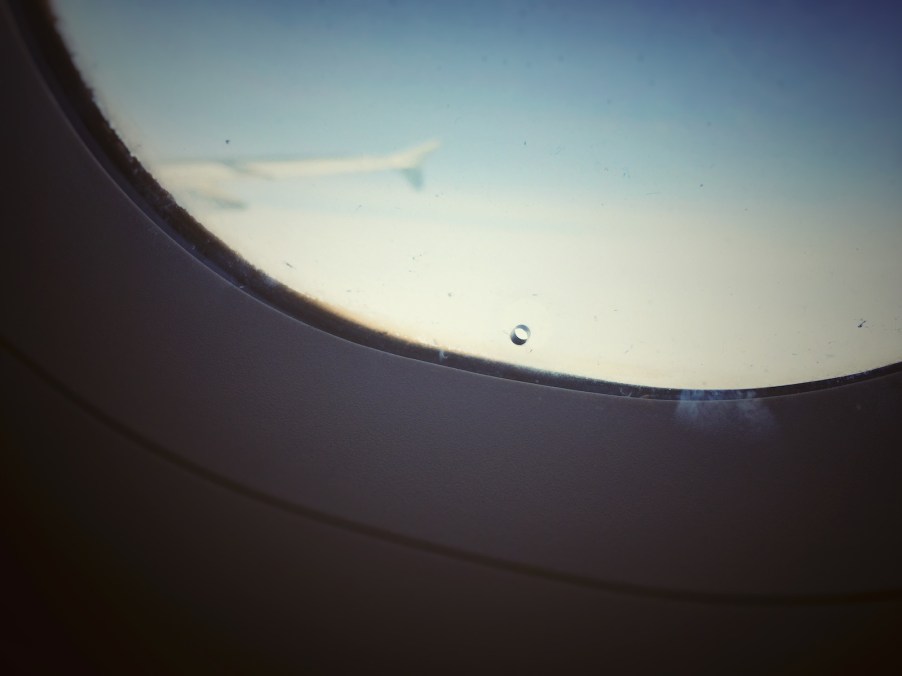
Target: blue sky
point(531, 93)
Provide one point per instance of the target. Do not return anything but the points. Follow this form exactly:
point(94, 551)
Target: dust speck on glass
point(700, 195)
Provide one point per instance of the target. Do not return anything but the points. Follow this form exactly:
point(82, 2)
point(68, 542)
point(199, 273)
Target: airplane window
point(700, 195)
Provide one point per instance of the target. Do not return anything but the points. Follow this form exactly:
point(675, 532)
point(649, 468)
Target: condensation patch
point(712, 411)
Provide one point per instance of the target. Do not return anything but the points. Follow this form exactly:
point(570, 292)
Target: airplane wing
point(206, 178)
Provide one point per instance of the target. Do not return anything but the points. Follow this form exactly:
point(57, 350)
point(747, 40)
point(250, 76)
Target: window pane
point(688, 195)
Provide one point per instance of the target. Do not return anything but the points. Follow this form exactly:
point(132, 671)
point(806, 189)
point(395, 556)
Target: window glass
point(689, 195)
